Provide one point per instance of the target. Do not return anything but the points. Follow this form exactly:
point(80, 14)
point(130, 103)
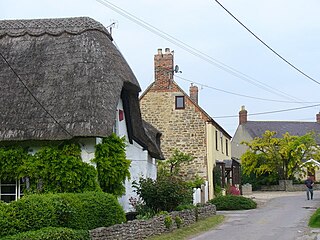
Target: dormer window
point(179, 102)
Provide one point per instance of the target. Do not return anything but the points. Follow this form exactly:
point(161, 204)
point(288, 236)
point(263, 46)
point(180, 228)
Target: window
point(10, 190)
point(179, 102)
point(216, 138)
point(221, 140)
point(227, 148)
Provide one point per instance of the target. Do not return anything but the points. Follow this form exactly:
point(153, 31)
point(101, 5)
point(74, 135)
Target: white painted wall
point(87, 149)
point(142, 165)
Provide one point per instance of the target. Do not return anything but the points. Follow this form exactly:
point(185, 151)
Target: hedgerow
point(77, 211)
point(233, 202)
point(50, 233)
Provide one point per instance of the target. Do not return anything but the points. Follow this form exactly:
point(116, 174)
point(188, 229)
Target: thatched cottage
point(64, 79)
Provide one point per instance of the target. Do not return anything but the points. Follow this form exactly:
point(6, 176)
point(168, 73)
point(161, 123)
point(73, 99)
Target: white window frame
point(17, 195)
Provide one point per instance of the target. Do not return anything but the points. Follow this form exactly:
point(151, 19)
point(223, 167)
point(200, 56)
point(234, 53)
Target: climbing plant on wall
point(112, 164)
point(51, 169)
point(11, 159)
point(59, 169)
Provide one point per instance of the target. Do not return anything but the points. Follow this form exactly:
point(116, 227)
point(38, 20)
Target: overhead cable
point(34, 97)
point(276, 111)
point(241, 95)
point(271, 49)
point(233, 93)
point(195, 51)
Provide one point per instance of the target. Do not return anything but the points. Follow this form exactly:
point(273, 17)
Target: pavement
point(279, 215)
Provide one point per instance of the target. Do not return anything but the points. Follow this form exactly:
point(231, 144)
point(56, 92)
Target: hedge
point(233, 202)
point(51, 233)
point(84, 211)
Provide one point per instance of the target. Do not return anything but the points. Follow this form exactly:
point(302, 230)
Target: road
point(283, 216)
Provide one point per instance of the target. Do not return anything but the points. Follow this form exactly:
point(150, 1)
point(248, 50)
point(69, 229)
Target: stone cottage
point(248, 130)
point(183, 123)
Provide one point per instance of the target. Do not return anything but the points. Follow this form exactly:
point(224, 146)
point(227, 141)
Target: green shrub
point(168, 221)
point(233, 202)
point(314, 220)
point(179, 221)
point(182, 207)
point(94, 210)
point(77, 211)
point(165, 193)
point(51, 233)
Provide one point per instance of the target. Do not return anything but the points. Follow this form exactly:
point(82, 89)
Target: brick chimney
point(318, 117)
point(163, 68)
point(243, 118)
point(194, 93)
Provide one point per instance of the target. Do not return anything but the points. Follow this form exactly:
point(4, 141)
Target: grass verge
point(191, 230)
point(314, 220)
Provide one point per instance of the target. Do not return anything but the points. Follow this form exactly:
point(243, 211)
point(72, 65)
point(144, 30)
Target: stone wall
point(287, 185)
point(183, 129)
point(141, 229)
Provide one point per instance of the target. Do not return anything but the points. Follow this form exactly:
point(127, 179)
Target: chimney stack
point(194, 93)
point(243, 115)
point(318, 117)
point(163, 69)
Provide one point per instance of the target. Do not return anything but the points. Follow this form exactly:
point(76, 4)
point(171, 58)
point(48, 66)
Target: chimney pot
point(163, 69)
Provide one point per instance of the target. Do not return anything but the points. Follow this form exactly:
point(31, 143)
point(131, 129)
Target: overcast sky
point(290, 27)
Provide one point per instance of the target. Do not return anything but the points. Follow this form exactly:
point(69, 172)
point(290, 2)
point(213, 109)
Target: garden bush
point(77, 211)
point(233, 202)
point(164, 193)
point(51, 233)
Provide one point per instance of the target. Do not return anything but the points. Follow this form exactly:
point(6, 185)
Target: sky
point(213, 51)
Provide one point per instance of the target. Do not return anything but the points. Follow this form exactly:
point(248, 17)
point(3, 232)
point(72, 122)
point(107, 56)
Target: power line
point(240, 95)
point(232, 93)
point(277, 111)
point(272, 50)
point(194, 51)
point(34, 97)
point(200, 54)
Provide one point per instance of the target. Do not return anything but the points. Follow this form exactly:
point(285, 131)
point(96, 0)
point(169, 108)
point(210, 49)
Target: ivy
point(51, 169)
point(11, 158)
point(112, 164)
point(60, 168)
point(57, 170)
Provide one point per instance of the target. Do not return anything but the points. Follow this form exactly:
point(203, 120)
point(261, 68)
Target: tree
point(282, 156)
point(172, 165)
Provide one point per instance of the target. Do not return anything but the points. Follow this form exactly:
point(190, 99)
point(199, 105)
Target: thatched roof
point(72, 68)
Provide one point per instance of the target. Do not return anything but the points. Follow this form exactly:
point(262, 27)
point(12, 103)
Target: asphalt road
point(283, 216)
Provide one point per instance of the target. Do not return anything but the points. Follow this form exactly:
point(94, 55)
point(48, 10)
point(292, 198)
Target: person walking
point(309, 184)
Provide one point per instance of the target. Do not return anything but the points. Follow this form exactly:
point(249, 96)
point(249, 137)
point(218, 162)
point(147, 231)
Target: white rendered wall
point(142, 165)
point(87, 149)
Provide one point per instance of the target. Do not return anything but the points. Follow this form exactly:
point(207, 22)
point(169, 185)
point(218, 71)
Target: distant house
point(83, 90)
point(183, 123)
point(248, 130)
